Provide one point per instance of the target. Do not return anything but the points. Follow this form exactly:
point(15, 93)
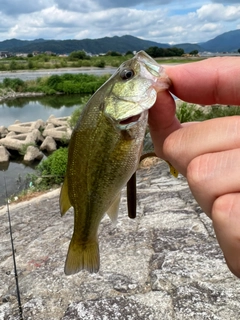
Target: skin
point(206, 153)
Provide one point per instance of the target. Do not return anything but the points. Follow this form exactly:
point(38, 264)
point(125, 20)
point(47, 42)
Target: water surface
point(25, 110)
point(32, 109)
point(32, 75)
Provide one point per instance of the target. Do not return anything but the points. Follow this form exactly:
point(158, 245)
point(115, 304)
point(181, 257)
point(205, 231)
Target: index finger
point(210, 81)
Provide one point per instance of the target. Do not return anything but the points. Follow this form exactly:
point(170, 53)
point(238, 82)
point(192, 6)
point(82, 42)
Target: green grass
point(55, 62)
point(190, 112)
point(177, 60)
point(66, 83)
point(44, 61)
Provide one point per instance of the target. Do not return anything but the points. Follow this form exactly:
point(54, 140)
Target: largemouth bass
point(104, 152)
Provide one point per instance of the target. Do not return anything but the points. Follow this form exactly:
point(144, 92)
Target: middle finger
point(212, 175)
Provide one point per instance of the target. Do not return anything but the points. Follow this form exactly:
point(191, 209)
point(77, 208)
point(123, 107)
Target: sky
point(163, 21)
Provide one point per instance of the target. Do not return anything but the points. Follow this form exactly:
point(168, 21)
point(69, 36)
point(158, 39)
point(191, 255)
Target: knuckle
point(199, 171)
point(171, 148)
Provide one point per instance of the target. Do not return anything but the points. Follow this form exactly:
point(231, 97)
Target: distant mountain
point(228, 41)
point(103, 45)
point(188, 47)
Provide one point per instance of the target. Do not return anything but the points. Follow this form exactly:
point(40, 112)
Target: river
point(30, 75)
point(29, 109)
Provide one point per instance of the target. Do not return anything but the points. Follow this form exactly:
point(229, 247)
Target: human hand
point(206, 153)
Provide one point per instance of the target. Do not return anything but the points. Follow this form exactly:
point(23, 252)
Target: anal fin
point(112, 211)
point(64, 199)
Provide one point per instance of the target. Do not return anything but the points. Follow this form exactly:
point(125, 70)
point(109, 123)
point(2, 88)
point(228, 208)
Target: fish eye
point(127, 74)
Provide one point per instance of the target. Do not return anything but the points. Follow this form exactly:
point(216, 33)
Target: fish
point(104, 153)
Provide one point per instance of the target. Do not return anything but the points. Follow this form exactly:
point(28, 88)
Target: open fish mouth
point(130, 119)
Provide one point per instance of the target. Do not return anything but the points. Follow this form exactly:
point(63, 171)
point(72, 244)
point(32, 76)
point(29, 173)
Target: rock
point(26, 126)
point(33, 153)
point(4, 154)
point(33, 136)
point(58, 122)
point(114, 308)
point(49, 126)
point(17, 141)
point(49, 144)
point(59, 133)
point(3, 132)
point(11, 134)
point(13, 142)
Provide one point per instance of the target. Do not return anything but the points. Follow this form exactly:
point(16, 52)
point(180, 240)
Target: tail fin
point(82, 256)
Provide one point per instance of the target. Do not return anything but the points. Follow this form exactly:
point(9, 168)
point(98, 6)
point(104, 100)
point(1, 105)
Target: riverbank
point(34, 74)
point(9, 94)
point(26, 137)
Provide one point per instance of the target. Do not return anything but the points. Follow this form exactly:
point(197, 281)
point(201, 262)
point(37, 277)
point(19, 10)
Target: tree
point(113, 54)
point(128, 53)
point(194, 52)
point(156, 52)
point(238, 50)
point(75, 55)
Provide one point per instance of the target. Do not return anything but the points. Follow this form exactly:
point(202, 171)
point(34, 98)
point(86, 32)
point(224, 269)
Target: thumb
point(162, 120)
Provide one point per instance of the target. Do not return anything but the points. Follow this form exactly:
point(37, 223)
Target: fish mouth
point(131, 119)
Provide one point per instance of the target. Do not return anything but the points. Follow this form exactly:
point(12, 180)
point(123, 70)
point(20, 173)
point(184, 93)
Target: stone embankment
point(164, 265)
point(32, 138)
point(9, 94)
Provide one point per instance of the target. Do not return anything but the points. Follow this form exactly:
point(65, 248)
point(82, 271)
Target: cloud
point(95, 5)
point(78, 5)
point(209, 27)
point(218, 12)
point(17, 7)
point(166, 21)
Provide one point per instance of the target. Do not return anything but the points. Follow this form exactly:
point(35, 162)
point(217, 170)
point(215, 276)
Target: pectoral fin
point(64, 199)
point(173, 171)
point(113, 210)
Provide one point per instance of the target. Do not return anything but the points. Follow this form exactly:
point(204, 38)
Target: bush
point(75, 116)
point(52, 169)
point(15, 84)
point(187, 113)
point(100, 64)
point(75, 55)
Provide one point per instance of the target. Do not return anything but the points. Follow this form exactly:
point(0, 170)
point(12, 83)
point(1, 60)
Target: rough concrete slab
point(165, 264)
